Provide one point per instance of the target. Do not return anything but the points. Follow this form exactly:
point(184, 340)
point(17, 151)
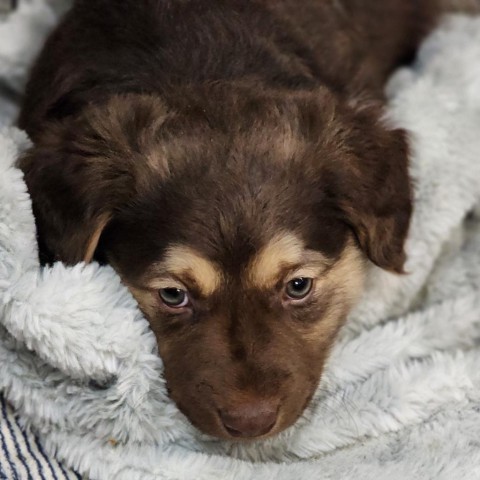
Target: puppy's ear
point(366, 180)
point(83, 170)
point(372, 188)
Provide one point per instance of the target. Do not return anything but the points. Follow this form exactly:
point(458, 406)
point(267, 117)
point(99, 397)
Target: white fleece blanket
point(401, 396)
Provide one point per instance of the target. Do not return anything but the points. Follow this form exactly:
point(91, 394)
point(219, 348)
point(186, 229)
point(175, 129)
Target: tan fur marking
point(184, 261)
point(345, 279)
point(95, 238)
point(145, 299)
point(349, 273)
point(285, 250)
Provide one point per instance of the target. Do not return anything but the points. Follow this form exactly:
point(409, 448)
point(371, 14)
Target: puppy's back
point(152, 46)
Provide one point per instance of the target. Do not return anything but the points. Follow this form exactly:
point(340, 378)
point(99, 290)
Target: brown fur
point(231, 145)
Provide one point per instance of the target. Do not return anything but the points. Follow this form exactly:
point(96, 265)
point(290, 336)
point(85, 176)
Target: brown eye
point(174, 297)
point(299, 288)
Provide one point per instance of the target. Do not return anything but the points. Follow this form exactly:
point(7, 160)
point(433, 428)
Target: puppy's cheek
point(147, 300)
point(164, 330)
point(336, 294)
point(200, 416)
point(298, 397)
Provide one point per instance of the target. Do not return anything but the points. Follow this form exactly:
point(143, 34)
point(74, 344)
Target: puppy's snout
point(250, 420)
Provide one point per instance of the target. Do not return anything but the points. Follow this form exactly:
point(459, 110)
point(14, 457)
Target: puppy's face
point(241, 226)
point(245, 307)
point(244, 348)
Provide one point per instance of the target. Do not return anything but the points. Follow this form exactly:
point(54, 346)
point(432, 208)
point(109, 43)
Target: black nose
point(250, 420)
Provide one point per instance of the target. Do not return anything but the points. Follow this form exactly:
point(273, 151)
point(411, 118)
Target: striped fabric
point(21, 455)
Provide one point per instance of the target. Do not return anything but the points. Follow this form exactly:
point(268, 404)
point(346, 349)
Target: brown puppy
point(228, 158)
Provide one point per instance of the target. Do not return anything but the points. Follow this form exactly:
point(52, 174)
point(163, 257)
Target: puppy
point(229, 160)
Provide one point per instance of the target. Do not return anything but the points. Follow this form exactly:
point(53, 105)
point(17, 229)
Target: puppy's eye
point(299, 288)
point(174, 297)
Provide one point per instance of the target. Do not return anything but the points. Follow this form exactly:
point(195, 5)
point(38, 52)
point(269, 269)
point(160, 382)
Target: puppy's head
point(241, 225)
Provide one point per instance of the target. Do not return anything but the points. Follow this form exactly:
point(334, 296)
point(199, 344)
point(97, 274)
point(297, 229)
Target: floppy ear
point(84, 170)
point(69, 208)
point(372, 187)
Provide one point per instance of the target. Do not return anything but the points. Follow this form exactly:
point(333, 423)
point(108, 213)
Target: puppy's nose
point(250, 420)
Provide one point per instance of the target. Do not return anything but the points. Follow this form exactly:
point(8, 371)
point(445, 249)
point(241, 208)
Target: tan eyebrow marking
point(283, 251)
point(182, 261)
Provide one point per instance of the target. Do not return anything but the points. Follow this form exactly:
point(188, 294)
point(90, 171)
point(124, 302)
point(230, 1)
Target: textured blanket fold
point(401, 394)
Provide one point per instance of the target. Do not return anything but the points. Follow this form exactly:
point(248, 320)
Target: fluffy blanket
point(401, 395)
